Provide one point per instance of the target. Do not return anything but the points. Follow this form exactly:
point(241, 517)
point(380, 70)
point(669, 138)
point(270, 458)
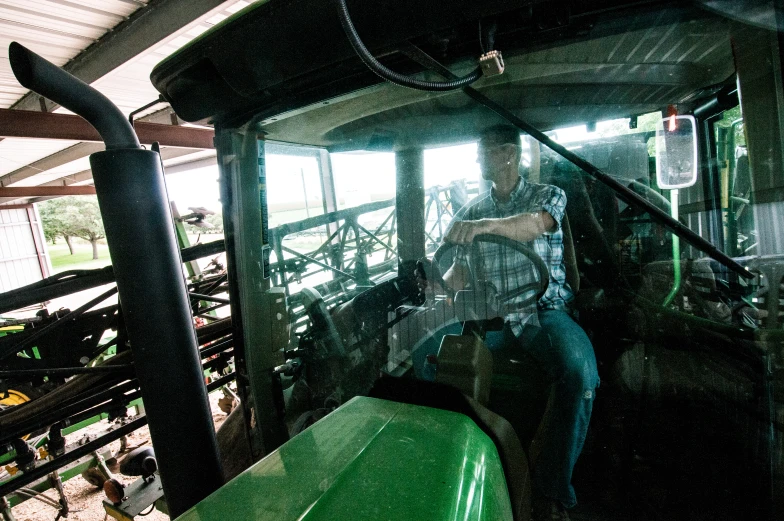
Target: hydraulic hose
point(78, 280)
point(46, 79)
point(389, 75)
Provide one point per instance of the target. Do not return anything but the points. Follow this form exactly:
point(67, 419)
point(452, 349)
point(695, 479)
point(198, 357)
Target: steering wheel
point(540, 285)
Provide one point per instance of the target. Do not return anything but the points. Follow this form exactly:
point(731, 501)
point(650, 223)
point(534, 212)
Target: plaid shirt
point(507, 269)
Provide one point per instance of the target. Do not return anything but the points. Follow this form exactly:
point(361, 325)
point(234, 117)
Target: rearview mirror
point(676, 152)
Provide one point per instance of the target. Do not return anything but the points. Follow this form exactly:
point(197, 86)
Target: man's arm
point(522, 228)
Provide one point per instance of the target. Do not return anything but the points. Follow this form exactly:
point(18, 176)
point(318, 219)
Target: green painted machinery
point(371, 459)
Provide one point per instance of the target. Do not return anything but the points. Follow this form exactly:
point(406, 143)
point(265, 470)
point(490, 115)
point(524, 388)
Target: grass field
point(82, 259)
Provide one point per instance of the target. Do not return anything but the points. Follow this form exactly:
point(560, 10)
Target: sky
point(194, 188)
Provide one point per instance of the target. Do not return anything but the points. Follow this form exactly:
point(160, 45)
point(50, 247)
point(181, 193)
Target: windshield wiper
point(626, 194)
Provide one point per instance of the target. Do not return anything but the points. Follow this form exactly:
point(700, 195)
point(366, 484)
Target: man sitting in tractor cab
point(527, 212)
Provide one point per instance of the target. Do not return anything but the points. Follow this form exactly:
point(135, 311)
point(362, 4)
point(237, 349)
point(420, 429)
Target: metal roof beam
point(87, 175)
point(71, 179)
point(62, 157)
point(191, 165)
point(146, 27)
point(73, 153)
point(43, 191)
point(46, 125)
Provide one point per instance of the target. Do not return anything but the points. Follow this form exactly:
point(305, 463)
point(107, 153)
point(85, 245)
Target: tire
point(19, 394)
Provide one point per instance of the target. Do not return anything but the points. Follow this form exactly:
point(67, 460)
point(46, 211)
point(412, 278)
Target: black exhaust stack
point(148, 269)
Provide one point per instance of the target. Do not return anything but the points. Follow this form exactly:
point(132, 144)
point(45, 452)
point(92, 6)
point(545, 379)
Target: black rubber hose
point(48, 417)
point(29, 340)
point(78, 280)
point(44, 78)
point(390, 75)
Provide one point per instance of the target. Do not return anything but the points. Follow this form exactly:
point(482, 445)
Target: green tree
point(215, 220)
point(52, 213)
point(74, 216)
point(645, 123)
point(83, 220)
point(729, 118)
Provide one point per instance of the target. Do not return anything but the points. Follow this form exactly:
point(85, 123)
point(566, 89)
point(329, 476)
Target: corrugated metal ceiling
point(60, 30)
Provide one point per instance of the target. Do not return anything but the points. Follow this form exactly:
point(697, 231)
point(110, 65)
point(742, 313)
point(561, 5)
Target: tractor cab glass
point(428, 238)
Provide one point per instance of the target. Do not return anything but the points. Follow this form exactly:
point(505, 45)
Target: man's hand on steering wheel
point(473, 230)
point(464, 232)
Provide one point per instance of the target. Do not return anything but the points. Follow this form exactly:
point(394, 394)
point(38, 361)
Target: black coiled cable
point(390, 75)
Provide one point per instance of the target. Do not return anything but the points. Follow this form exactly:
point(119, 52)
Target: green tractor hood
point(371, 459)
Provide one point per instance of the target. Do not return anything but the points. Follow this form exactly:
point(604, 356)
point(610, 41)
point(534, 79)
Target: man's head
point(499, 152)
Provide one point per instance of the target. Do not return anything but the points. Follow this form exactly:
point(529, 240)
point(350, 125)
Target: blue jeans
point(562, 350)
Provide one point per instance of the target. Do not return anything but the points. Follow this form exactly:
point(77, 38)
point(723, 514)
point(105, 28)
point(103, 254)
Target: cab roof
point(286, 65)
